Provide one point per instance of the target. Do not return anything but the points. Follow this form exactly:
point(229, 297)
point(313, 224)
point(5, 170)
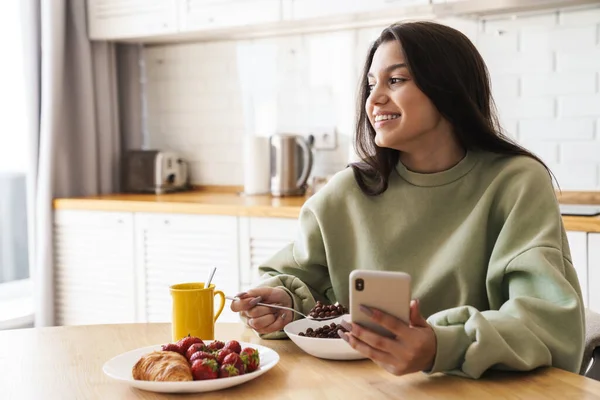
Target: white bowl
point(331, 349)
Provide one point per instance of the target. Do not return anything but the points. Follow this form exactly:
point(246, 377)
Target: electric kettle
point(291, 164)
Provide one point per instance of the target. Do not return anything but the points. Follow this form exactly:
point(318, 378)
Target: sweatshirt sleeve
point(300, 268)
point(535, 316)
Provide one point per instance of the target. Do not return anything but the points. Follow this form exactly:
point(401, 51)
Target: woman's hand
point(413, 349)
point(260, 318)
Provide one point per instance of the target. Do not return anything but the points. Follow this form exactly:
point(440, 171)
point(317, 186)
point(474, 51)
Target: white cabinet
point(125, 19)
point(177, 248)
point(305, 9)
point(260, 239)
point(94, 267)
point(594, 271)
point(211, 14)
point(578, 243)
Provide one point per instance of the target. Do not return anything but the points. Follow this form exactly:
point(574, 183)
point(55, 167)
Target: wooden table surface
point(66, 363)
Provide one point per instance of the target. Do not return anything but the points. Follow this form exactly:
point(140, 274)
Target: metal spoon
point(212, 273)
point(288, 309)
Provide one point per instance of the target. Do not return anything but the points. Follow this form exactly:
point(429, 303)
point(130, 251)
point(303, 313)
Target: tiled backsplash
point(203, 97)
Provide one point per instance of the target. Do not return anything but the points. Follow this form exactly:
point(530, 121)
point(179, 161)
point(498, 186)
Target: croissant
point(162, 366)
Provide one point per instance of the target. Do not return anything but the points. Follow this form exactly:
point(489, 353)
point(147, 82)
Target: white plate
point(120, 367)
point(330, 349)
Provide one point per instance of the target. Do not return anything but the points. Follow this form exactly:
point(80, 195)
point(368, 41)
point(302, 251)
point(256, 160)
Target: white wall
point(203, 97)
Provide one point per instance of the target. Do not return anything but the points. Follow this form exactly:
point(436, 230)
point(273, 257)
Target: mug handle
point(222, 296)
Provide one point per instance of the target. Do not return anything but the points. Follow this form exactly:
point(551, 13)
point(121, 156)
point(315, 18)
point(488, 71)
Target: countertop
point(66, 363)
point(229, 201)
point(210, 201)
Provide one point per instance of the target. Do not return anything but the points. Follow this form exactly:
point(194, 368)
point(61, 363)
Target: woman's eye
point(370, 87)
point(397, 80)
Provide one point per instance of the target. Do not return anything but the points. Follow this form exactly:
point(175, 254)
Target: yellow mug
point(194, 310)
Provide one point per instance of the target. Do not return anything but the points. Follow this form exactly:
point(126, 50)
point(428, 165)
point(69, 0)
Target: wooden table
point(66, 363)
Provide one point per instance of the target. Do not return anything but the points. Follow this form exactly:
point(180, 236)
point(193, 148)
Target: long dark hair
point(449, 70)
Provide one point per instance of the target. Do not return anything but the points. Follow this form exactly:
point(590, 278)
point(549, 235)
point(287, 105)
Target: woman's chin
point(380, 140)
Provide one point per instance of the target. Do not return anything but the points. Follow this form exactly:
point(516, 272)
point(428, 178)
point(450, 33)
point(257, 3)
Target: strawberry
point(228, 370)
point(205, 369)
point(234, 346)
point(221, 354)
point(171, 347)
point(196, 347)
point(235, 360)
point(199, 355)
point(216, 345)
point(250, 358)
point(185, 343)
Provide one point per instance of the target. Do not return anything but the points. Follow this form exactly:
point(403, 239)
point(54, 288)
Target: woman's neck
point(435, 158)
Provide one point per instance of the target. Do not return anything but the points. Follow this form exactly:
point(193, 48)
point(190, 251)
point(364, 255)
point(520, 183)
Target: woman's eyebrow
point(390, 68)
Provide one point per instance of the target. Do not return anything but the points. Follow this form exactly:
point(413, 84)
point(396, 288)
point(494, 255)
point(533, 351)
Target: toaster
point(154, 171)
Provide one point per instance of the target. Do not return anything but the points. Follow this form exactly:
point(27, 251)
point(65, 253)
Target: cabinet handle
point(119, 221)
point(167, 222)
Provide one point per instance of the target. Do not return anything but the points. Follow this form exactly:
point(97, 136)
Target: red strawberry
point(196, 347)
point(250, 358)
point(199, 355)
point(221, 354)
point(171, 347)
point(235, 360)
point(234, 346)
point(228, 370)
point(205, 369)
point(216, 345)
point(185, 343)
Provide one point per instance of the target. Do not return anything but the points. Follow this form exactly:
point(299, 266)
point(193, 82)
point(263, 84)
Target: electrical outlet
point(325, 138)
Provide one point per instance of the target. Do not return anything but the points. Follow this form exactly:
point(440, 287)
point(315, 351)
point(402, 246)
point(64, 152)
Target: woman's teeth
point(386, 117)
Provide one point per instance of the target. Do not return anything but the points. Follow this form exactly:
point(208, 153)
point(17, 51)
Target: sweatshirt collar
point(439, 178)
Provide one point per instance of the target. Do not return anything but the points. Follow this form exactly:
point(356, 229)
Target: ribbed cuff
point(452, 343)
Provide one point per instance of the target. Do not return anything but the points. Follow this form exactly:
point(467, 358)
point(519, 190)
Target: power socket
point(325, 138)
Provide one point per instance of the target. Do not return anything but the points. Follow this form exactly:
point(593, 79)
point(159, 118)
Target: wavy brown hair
point(448, 69)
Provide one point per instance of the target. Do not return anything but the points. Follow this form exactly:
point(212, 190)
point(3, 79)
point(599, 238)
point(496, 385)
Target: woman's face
point(402, 116)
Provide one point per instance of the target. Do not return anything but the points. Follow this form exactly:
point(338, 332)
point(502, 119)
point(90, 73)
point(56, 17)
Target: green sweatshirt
point(485, 247)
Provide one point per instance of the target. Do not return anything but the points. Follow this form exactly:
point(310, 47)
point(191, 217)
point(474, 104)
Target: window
point(15, 298)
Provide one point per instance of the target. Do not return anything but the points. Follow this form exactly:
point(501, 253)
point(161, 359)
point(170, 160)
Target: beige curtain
point(76, 136)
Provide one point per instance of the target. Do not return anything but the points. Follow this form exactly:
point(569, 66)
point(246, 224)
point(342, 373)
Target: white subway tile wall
point(203, 97)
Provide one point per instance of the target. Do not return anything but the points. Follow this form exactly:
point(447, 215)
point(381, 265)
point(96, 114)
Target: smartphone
point(387, 291)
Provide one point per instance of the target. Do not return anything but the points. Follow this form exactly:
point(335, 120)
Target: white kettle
point(291, 164)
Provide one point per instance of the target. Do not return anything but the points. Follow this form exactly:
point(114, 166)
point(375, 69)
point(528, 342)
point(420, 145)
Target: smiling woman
point(443, 196)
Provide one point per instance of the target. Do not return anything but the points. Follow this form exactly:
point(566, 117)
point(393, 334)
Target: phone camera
point(359, 284)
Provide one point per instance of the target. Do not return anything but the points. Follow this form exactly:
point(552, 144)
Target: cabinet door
point(211, 14)
point(94, 267)
point(579, 253)
point(124, 19)
point(176, 248)
point(304, 9)
point(594, 271)
point(260, 239)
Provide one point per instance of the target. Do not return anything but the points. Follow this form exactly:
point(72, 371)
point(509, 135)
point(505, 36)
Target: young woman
point(443, 195)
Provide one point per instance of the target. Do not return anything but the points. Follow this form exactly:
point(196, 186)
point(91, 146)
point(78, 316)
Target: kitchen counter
point(228, 201)
point(66, 363)
point(225, 202)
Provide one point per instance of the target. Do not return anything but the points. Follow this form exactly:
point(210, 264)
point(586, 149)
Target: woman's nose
point(378, 96)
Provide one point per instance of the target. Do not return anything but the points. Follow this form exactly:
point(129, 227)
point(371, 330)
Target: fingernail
point(342, 335)
point(347, 325)
point(366, 310)
point(255, 301)
point(240, 295)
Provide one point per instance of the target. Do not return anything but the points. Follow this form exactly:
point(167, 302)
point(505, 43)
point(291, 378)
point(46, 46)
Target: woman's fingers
point(268, 323)
point(245, 304)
